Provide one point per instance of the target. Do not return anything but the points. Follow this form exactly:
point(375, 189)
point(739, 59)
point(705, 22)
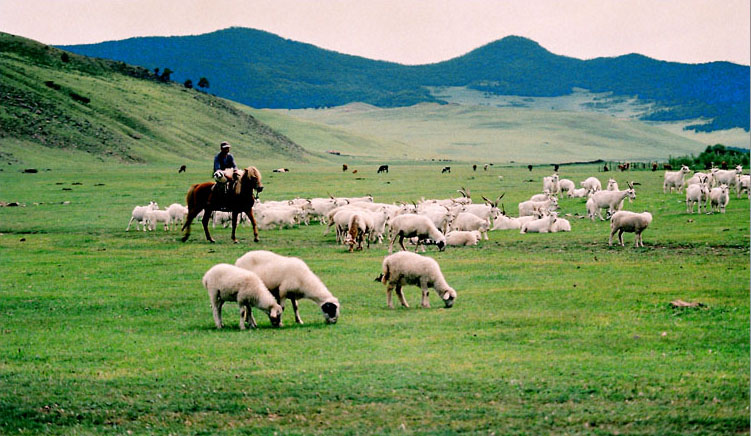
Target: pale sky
point(412, 31)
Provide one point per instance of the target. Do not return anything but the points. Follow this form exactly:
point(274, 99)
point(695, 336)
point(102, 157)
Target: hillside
point(431, 131)
point(61, 106)
point(263, 70)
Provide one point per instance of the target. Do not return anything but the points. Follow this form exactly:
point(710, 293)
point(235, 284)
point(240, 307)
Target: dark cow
point(446, 170)
point(182, 169)
point(383, 169)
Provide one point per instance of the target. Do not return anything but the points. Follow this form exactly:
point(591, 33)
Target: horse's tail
point(190, 201)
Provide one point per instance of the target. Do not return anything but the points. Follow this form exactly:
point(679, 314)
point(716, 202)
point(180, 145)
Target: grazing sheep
point(592, 184)
point(459, 237)
point(156, 216)
point(542, 225)
point(360, 226)
point(696, 194)
point(468, 222)
point(727, 177)
point(439, 215)
point(674, 179)
point(405, 268)
point(226, 282)
point(409, 226)
point(290, 277)
point(278, 216)
point(138, 215)
point(625, 221)
point(744, 184)
point(719, 198)
point(566, 185)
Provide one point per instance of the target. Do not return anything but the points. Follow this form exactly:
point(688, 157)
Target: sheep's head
point(219, 176)
point(331, 311)
point(448, 297)
point(275, 315)
point(441, 244)
point(685, 169)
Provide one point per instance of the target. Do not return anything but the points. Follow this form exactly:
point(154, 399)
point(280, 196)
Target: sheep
point(566, 185)
point(222, 218)
point(592, 184)
point(550, 184)
point(727, 177)
point(541, 197)
point(529, 207)
point(405, 268)
point(510, 223)
point(153, 217)
point(467, 222)
point(177, 213)
point(280, 216)
point(612, 185)
point(290, 277)
point(542, 225)
point(698, 194)
point(744, 184)
point(439, 215)
point(578, 193)
point(280, 170)
point(360, 226)
point(225, 282)
point(632, 222)
point(719, 198)
point(458, 237)
point(138, 215)
point(699, 177)
point(408, 226)
point(560, 225)
point(613, 200)
point(674, 179)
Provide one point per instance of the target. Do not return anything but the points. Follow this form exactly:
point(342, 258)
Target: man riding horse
point(225, 172)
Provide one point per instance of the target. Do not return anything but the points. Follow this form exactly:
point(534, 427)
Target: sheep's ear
point(446, 296)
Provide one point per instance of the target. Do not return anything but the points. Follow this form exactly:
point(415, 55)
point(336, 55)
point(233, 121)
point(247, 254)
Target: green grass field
point(103, 330)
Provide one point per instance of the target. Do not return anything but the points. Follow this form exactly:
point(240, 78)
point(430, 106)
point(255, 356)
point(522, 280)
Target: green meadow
point(107, 331)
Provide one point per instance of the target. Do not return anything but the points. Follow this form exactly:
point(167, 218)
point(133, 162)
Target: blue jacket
point(224, 162)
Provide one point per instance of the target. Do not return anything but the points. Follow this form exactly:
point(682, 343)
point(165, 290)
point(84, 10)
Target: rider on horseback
point(224, 170)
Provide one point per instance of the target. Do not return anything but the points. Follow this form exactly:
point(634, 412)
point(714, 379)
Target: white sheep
point(612, 185)
point(468, 222)
point(279, 216)
point(529, 207)
point(674, 179)
point(699, 177)
point(410, 225)
point(360, 227)
point(225, 282)
point(156, 216)
point(727, 177)
point(290, 277)
point(592, 184)
point(504, 222)
point(405, 268)
point(719, 198)
point(632, 222)
point(138, 215)
point(542, 225)
point(439, 215)
point(744, 184)
point(222, 218)
point(612, 200)
point(459, 237)
point(541, 197)
point(560, 225)
point(696, 194)
point(177, 213)
point(551, 184)
point(578, 193)
point(566, 185)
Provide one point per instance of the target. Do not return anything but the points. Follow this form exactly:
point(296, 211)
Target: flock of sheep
point(265, 280)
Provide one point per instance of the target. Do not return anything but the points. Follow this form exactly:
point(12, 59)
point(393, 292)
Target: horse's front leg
point(205, 221)
point(249, 212)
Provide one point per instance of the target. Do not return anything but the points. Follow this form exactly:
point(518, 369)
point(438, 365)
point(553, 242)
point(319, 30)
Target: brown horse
point(201, 197)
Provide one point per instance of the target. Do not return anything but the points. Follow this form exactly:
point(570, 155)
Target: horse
point(201, 197)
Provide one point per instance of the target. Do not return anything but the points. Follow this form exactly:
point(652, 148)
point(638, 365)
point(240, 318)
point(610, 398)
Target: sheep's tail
point(386, 276)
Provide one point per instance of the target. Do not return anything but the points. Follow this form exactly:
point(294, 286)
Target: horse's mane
point(250, 172)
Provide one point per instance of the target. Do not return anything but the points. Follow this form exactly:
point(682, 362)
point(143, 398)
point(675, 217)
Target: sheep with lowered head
point(409, 226)
point(290, 277)
point(406, 268)
point(226, 282)
point(632, 222)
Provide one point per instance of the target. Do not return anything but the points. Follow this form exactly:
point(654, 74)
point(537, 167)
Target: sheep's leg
point(401, 242)
point(216, 308)
point(612, 233)
point(400, 294)
point(620, 236)
point(637, 240)
point(127, 229)
point(297, 311)
point(251, 320)
point(391, 244)
point(389, 303)
point(243, 316)
point(425, 303)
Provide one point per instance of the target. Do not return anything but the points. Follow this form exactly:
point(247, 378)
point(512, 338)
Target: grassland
point(483, 133)
point(107, 331)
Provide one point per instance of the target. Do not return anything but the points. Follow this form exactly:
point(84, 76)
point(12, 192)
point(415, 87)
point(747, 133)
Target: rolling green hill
point(475, 134)
point(266, 71)
point(69, 109)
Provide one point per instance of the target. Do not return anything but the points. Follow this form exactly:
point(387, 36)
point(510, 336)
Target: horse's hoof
point(184, 238)
point(235, 241)
point(256, 240)
point(212, 241)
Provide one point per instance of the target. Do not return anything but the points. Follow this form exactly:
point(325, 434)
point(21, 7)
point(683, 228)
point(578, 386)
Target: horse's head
point(251, 179)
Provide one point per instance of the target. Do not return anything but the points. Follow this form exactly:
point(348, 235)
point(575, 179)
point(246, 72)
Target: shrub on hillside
point(713, 155)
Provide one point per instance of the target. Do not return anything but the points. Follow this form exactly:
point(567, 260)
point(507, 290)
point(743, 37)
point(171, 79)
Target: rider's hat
point(225, 145)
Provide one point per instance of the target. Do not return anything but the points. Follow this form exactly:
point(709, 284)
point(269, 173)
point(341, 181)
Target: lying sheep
point(578, 193)
point(405, 268)
point(560, 225)
point(468, 222)
point(504, 222)
point(719, 198)
point(226, 282)
point(460, 237)
point(542, 225)
point(290, 277)
point(625, 221)
point(409, 226)
point(528, 207)
point(138, 215)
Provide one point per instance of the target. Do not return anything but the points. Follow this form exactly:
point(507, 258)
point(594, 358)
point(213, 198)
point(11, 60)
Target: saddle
point(225, 183)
